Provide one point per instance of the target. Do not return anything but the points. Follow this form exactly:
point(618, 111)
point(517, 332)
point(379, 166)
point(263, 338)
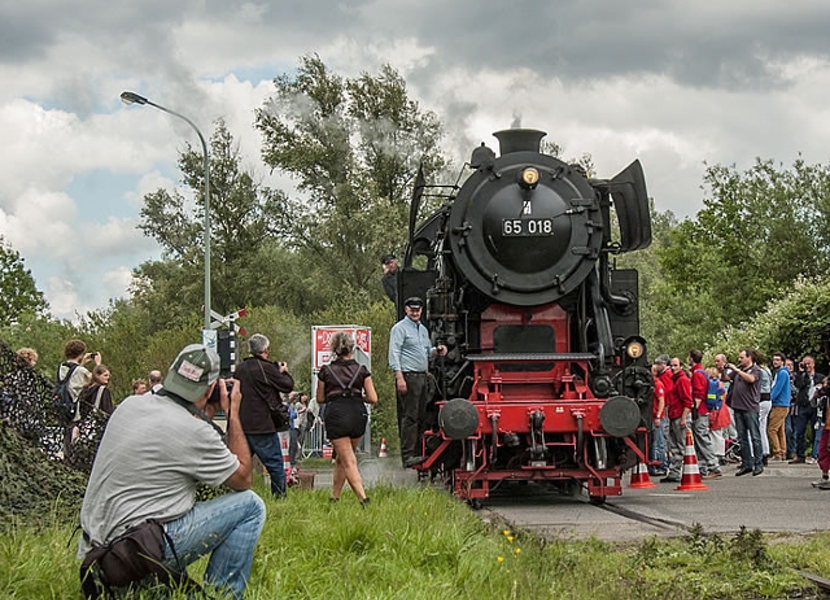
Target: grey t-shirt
point(747, 396)
point(152, 456)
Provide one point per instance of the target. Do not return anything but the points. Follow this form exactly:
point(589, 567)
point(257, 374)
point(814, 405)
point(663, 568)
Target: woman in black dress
point(344, 386)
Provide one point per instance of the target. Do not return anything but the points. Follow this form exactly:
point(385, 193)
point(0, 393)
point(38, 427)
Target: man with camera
point(806, 380)
point(745, 397)
point(262, 383)
point(155, 450)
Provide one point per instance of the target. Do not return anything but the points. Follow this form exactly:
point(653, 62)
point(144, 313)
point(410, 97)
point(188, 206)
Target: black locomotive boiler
point(546, 378)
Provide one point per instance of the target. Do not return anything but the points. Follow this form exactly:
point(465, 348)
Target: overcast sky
point(673, 83)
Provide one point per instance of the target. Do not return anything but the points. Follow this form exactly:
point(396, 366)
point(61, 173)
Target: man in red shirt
point(708, 461)
point(657, 447)
point(680, 404)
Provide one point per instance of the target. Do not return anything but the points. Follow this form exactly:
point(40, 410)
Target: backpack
point(61, 400)
point(714, 394)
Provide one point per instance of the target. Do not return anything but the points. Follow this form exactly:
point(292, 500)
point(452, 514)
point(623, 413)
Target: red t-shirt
point(659, 392)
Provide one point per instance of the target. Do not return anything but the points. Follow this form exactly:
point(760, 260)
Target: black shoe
point(365, 502)
point(757, 471)
point(743, 472)
point(797, 461)
point(414, 461)
point(670, 479)
point(334, 500)
point(766, 460)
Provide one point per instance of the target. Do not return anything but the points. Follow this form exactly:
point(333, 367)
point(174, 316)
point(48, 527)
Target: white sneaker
point(810, 460)
point(818, 482)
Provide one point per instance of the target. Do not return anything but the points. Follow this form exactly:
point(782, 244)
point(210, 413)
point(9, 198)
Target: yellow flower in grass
point(518, 550)
point(506, 532)
point(500, 559)
point(509, 538)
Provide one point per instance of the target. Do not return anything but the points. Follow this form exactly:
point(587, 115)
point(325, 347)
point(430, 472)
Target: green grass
point(423, 544)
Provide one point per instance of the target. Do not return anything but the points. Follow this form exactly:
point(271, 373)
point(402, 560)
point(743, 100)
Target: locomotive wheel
point(597, 500)
point(573, 488)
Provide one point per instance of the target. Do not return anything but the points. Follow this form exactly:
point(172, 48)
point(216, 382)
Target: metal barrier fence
point(315, 440)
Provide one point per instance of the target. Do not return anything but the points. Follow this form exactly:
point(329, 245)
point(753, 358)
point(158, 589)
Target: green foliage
point(414, 544)
point(797, 322)
point(17, 287)
point(353, 147)
point(46, 335)
point(758, 232)
point(244, 216)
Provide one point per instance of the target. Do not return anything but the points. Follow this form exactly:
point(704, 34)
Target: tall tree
point(758, 231)
point(354, 146)
point(17, 286)
point(244, 215)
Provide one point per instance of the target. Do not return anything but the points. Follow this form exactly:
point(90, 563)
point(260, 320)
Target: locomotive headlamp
point(529, 178)
point(634, 350)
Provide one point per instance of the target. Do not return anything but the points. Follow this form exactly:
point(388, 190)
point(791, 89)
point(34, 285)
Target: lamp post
point(133, 98)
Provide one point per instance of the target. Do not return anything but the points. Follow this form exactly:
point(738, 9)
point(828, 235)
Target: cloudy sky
point(671, 82)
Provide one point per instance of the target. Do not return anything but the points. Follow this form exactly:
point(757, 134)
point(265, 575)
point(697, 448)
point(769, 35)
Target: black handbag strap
point(192, 409)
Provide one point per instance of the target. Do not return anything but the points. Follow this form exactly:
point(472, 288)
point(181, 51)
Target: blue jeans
point(749, 431)
point(657, 450)
point(789, 432)
point(267, 447)
point(228, 528)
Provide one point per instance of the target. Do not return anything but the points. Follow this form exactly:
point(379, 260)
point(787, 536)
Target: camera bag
point(129, 558)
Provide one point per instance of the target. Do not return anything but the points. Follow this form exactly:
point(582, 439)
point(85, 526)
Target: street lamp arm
point(133, 98)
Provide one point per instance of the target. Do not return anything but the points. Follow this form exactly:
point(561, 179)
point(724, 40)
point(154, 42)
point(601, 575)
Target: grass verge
point(415, 544)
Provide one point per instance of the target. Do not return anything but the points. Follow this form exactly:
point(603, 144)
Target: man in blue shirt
point(409, 352)
point(780, 396)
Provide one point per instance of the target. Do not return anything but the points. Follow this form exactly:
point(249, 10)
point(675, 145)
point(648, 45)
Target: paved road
point(781, 499)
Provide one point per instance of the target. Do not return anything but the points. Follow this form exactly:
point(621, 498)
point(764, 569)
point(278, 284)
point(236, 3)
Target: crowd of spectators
point(776, 415)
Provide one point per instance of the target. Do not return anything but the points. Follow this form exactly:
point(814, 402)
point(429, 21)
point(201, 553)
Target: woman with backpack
point(344, 386)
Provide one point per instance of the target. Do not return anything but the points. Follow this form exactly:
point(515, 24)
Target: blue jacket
point(780, 392)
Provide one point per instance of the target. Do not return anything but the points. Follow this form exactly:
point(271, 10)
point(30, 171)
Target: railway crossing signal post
point(224, 340)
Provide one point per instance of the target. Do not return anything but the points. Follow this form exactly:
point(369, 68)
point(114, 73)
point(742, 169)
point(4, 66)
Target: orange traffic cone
point(640, 478)
point(690, 481)
point(382, 453)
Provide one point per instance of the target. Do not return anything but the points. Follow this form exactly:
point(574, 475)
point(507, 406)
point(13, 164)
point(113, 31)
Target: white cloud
point(117, 281)
point(63, 299)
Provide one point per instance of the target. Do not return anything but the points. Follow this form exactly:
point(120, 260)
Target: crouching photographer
point(140, 521)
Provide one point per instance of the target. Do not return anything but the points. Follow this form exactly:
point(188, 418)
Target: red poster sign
point(321, 337)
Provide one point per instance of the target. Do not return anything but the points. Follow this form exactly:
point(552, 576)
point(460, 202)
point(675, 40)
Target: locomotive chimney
point(519, 140)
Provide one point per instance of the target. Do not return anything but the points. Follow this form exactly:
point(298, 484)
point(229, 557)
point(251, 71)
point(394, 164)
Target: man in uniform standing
point(390, 276)
point(409, 352)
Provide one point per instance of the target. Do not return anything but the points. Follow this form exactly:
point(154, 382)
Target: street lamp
point(133, 98)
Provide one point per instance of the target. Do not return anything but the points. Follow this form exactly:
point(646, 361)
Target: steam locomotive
point(546, 378)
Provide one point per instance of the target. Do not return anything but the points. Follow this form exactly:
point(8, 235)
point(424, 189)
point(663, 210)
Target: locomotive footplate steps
point(529, 357)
